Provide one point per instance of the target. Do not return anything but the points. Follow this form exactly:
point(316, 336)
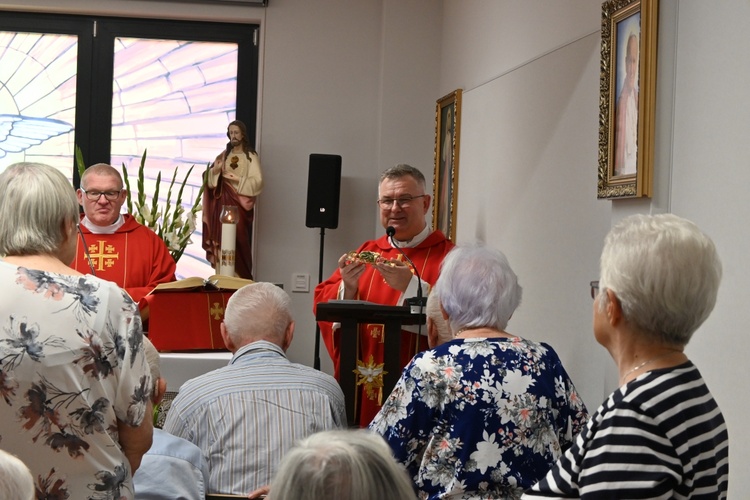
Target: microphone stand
point(316, 361)
point(419, 300)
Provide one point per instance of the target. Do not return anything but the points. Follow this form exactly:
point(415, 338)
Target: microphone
point(419, 301)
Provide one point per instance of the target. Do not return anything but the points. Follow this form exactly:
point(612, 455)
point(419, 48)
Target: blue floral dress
point(71, 366)
point(481, 417)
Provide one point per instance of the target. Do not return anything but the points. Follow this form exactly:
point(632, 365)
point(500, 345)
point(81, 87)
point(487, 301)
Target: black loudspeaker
point(323, 189)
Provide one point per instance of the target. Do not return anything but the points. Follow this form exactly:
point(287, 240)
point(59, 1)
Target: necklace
point(650, 360)
point(494, 333)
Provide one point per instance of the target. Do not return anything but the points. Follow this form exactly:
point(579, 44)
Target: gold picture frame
point(445, 184)
point(626, 101)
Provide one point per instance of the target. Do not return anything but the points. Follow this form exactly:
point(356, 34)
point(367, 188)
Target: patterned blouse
point(481, 417)
point(71, 365)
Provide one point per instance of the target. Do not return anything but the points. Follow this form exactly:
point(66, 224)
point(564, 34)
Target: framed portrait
point(627, 98)
point(445, 185)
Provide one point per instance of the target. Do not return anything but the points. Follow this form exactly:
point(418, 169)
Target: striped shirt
point(661, 435)
point(246, 415)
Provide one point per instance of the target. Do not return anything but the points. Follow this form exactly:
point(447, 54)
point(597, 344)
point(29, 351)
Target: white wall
point(527, 172)
point(527, 180)
point(710, 176)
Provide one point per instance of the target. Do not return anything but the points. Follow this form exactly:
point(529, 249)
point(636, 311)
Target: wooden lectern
point(350, 314)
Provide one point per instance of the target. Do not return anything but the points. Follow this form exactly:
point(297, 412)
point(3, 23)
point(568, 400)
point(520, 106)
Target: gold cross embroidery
point(217, 311)
point(376, 332)
point(103, 256)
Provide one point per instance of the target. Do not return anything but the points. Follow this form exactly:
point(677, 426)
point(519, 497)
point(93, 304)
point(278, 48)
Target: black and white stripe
point(660, 436)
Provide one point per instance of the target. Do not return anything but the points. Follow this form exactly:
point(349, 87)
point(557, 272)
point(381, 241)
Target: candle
point(229, 217)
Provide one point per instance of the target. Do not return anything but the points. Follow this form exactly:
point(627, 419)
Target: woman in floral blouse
point(487, 413)
point(74, 381)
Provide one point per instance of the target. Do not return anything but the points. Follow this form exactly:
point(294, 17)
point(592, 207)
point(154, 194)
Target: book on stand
point(213, 283)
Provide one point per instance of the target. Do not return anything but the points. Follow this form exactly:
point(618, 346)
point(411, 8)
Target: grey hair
point(341, 464)
point(37, 205)
point(16, 481)
point(477, 288)
point(434, 314)
point(101, 169)
point(665, 273)
point(404, 170)
point(259, 311)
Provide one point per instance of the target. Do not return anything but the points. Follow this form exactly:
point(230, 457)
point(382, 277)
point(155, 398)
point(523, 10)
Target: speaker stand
point(316, 362)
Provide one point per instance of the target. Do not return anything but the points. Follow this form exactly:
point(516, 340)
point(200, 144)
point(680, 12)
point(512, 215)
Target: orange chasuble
point(427, 257)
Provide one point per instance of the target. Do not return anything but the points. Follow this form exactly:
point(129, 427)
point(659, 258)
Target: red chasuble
point(134, 257)
point(427, 257)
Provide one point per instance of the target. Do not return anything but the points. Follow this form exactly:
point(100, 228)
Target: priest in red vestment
point(403, 204)
point(119, 248)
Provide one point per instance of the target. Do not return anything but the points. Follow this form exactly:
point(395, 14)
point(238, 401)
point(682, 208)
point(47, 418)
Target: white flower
point(488, 452)
point(191, 222)
point(145, 213)
point(515, 383)
point(426, 363)
point(171, 221)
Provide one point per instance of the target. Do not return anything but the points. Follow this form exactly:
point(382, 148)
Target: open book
point(212, 283)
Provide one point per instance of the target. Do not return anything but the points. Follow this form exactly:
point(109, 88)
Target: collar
point(111, 229)
point(254, 348)
point(419, 238)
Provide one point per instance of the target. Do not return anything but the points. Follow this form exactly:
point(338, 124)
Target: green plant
point(170, 221)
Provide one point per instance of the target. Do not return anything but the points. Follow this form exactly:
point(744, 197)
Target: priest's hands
point(397, 274)
point(351, 270)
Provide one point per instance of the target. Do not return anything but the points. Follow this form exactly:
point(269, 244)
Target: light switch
point(301, 282)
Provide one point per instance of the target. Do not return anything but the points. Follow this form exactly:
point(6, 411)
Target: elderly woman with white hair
point(486, 414)
point(660, 434)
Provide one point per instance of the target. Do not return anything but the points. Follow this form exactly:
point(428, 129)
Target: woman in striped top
point(660, 434)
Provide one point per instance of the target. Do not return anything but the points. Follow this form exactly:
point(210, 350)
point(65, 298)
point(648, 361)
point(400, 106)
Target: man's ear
point(442, 311)
point(427, 199)
point(79, 196)
point(288, 336)
point(227, 339)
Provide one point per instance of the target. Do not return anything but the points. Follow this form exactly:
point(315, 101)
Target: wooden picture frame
point(626, 101)
point(445, 184)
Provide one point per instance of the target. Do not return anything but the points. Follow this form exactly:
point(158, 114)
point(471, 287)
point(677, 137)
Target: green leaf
point(129, 201)
point(79, 161)
point(173, 218)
